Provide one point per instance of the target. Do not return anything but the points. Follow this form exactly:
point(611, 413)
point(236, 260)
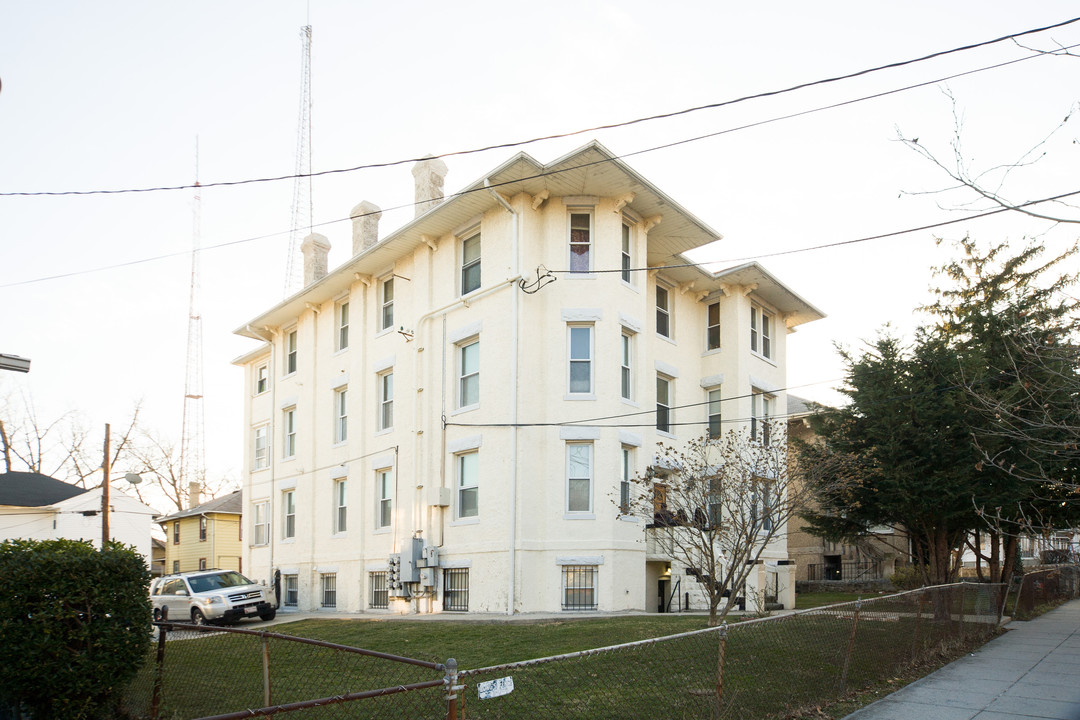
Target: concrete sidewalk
point(1032, 671)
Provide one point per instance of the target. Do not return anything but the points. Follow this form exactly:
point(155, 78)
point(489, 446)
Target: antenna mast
point(192, 457)
point(301, 203)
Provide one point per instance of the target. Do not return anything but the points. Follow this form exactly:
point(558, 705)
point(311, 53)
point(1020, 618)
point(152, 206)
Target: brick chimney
point(429, 175)
point(365, 226)
point(194, 495)
point(315, 249)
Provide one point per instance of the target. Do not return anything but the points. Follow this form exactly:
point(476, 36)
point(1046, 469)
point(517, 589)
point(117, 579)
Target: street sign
point(495, 688)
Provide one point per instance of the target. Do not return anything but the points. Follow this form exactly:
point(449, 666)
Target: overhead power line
point(554, 136)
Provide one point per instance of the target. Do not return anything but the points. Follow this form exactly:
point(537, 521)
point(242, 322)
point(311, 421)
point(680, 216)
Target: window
point(456, 589)
point(579, 477)
point(292, 591)
point(626, 376)
point(760, 412)
point(341, 415)
point(176, 566)
point(202, 528)
point(380, 597)
point(580, 338)
point(262, 379)
point(627, 467)
point(202, 563)
point(288, 514)
point(715, 424)
point(470, 264)
point(663, 403)
point(712, 331)
point(580, 242)
point(329, 589)
point(761, 506)
point(386, 303)
point(469, 374)
point(383, 499)
point(290, 352)
point(663, 312)
point(579, 587)
point(289, 429)
point(176, 533)
point(261, 459)
point(625, 253)
point(341, 506)
point(261, 523)
point(386, 400)
point(343, 325)
point(468, 476)
point(716, 498)
point(761, 331)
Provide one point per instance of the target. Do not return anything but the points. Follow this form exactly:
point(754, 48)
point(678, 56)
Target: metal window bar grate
point(579, 587)
point(456, 589)
point(380, 597)
point(329, 590)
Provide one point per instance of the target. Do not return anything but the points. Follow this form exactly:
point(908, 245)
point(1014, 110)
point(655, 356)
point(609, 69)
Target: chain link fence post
point(720, 669)
point(159, 666)
point(266, 670)
point(450, 682)
point(850, 646)
point(915, 632)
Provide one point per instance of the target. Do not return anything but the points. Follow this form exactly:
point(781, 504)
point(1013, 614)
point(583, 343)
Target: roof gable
point(30, 489)
point(226, 505)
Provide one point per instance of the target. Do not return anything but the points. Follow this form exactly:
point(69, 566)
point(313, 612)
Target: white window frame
point(260, 523)
point(587, 361)
point(385, 393)
point(761, 409)
point(467, 266)
point(588, 245)
point(288, 514)
point(341, 415)
point(626, 471)
point(713, 410)
point(468, 482)
point(386, 303)
point(290, 595)
point(341, 506)
point(710, 326)
point(262, 378)
point(288, 430)
point(468, 377)
point(573, 475)
point(627, 255)
point(626, 370)
point(328, 590)
point(664, 311)
point(668, 406)
point(762, 322)
point(384, 498)
point(260, 455)
point(292, 343)
point(342, 316)
point(592, 572)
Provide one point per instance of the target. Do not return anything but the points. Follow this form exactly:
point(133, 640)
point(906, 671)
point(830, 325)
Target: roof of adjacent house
point(225, 505)
point(31, 489)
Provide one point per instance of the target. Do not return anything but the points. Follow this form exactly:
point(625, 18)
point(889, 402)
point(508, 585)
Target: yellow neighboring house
point(205, 536)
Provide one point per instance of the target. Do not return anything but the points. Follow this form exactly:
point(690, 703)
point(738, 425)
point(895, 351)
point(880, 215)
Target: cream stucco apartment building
point(446, 421)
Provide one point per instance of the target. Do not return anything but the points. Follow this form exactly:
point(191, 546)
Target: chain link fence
point(760, 668)
point(1044, 587)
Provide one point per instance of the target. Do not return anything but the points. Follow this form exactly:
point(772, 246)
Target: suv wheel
point(269, 614)
point(197, 617)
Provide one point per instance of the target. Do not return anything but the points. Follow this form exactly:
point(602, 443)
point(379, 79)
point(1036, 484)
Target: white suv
point(207, 596)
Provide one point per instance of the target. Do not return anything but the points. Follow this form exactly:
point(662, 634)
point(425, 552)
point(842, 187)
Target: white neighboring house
point(39, 507)
point(437, 425)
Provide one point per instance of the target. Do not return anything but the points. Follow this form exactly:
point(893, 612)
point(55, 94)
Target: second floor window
point(290, 352)
point(579, 477)
point(384, 503)
point(663, 403)
point(468, 472)
point(626, 379)
point(202, 527)
point(289, 423)
point(715, 426)
point(712, 331)
point(469, 374)
point(341, 506)
point(386, 401)
point(760, 412)
point(386, 304)
point(580, 242)
point(341, 415)
point(626, 253)
point(288, 514)
point(261, 451)
point(663, 312)
point(262, 379)
point(260, 523)
point(343, 325)
point(761, 331)
point(470, 264)
point(581, 370)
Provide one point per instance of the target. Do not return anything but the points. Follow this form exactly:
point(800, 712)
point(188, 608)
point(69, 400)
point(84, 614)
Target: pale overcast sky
point(112, 95)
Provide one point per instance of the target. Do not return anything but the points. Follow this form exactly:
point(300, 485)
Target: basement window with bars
point(456, 589)
point(292, 590)
point(579, 587)
point(380, 597)
point(329, 590)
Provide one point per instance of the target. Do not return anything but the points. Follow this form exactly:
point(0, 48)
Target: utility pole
point(105, 463)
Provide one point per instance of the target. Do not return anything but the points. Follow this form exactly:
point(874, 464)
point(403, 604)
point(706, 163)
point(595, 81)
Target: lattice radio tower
point(301, 202)
point(192, 434)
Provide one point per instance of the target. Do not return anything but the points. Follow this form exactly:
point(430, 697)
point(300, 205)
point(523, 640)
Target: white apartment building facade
point(446, 421)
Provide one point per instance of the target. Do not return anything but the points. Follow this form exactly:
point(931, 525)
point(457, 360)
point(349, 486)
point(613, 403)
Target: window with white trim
point(386, 303)
point(341, 506)
point(343, 325)
point(580, 242)
point(260, 459)
point(468, 482)
point(202, 528)
point(470, 264)
point(580, 371)
point(386, 400)
point(713, 408)
point(761, 323)
point(579, 477)
point(328, 581)
point(761, 506)
point(262, 379)
point(712, 327)
point(663, 311)
point(626, 468)
point(469, 374)
point(626, 377)
point(665, 397)
point(626, 255)
point(761, 407)
point(288, 514)
point(380, 595)
point(290, 352)
point(260, 523)
point(579, 587)
point(384, 503)
point(292, 590)
point(288, 429)
point(341, 415)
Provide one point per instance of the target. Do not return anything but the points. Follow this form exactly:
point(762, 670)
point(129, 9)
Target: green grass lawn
point(818, 599)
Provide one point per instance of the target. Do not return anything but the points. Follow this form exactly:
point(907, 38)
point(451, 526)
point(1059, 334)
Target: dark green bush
point(74, 626)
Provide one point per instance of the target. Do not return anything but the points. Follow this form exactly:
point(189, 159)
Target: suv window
point(171, 587)
point(206, 583)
